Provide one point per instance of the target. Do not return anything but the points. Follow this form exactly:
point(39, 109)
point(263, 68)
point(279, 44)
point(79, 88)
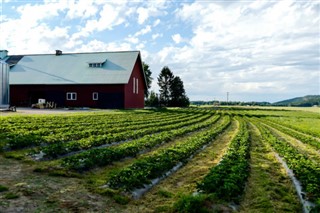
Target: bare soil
point(36, 192)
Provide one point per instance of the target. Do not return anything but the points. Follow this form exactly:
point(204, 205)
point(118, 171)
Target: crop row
point(158, 163)
point(61, 148)
point(11, 124)
point(306, 125)
point(104, 156)
point(296, 134)
point(14, 124)
point(131, 129)
point(41, 131)
point(107, 121)
point(306, 170)
point(25, 140)
point(227, 179)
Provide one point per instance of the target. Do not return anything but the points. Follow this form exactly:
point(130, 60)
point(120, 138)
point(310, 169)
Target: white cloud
point(133, 40)
point(244, 47)
point(98, 46)
point(156, 22)
point(35, 23)
point(257, 5)
point(165, 53)
point(110, 16)
point(81, 9)
point(151, 9)
point(156, 35)
point(176, 38)
point(144, 31)
point(34, 34)
point(140, 46)
point(248, 41)
point(143, 15)
point(32, 15)
point(40, 35)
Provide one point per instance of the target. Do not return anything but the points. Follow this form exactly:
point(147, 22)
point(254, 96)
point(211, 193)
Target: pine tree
point(153, 100)
point(178, 94)
point(165, 79)
point(149, 79)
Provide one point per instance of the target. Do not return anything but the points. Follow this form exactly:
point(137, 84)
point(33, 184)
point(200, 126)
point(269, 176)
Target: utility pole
point(227, 97)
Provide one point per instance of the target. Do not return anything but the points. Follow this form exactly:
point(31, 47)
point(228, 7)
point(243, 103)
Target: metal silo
point(4, 84)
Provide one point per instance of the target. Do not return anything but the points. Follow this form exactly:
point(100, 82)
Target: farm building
point(4, 81)
point(97, 80)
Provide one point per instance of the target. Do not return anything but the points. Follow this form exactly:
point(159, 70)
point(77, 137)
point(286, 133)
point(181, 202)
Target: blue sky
point(255, 50)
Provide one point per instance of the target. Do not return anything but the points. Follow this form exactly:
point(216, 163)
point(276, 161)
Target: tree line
point(171, 89)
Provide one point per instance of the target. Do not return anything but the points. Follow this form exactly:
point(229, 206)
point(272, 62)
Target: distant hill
point(306, 101)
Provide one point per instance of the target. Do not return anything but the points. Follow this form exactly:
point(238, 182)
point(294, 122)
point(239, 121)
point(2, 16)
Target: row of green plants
point(35, 128)
point(31, 123)
point(161, 161)
point(102, 130)
point(62, 148)
point(306, 170)
point(62, 125)
point(9, 124)
point(303, 137)
point(227, 180)
point(30, 139)
point(104, 156)
point(301, 124)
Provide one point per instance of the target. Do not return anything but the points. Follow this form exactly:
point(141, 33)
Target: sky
point(252, 50)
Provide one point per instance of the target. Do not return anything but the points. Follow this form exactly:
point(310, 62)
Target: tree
point(172, 91)
point(164, 81)
point(153, 100)
point(178, 94)
point(149, 79)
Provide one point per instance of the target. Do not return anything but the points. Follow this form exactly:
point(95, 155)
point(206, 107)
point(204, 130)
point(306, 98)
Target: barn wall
point(135, 100)
point(110, 96)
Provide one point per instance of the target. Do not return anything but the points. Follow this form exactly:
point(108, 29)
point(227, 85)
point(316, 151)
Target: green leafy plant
point(155, 165)
point(10, 195)
point(227, 179)
point(3, 188)
point(306, 170)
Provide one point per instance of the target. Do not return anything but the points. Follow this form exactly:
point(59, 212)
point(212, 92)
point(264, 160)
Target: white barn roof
point(73, 68)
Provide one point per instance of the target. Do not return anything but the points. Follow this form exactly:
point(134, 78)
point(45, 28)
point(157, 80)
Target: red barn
point(97, 80)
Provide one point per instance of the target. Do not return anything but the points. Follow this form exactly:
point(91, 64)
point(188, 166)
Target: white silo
point(4, 80)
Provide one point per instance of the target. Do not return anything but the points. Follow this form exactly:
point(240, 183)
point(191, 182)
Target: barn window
point(71, 96)
point(95, 96)
point(99, 64)
point(137, 83)
point(134, 85)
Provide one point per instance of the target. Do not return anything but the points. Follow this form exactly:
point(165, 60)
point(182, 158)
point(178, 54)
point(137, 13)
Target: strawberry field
point(173, 160)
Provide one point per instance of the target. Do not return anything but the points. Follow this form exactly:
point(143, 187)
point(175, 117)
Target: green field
point(171, 160)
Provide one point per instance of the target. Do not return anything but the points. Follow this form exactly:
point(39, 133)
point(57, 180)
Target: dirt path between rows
point(29, 191)
point(269, 188)
point(163, 195)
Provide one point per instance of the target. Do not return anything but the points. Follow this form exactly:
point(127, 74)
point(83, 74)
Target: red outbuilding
point(96, 80)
